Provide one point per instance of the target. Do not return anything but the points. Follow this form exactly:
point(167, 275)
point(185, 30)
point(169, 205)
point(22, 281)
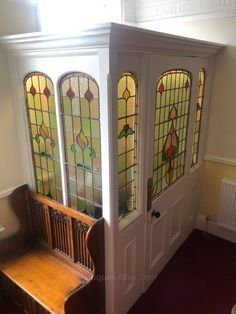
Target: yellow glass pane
point(35, 82)
point(94, 89)
point(44, 102)
point(131, 85)
point(42, 84)
point(74, 84)
point(83, 82)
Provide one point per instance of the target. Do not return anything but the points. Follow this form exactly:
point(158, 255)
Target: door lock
point(155, 214)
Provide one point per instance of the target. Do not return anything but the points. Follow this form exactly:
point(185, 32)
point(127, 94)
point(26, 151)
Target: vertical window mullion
point(61, 145)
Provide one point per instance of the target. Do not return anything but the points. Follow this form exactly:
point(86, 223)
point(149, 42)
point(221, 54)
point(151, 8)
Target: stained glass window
point(170, 131)
point(127, 143)
point(81, 123)
point(43, 132)
point(198, 116)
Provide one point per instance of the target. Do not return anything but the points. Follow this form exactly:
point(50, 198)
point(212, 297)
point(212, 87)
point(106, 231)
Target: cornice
point(138, 39)
point(120, 37)
point(98, 36)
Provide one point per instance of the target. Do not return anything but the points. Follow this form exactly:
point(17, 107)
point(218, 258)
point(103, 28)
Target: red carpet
point(200, 279)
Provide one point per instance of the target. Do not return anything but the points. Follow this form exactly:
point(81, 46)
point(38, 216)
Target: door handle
point(156, 214)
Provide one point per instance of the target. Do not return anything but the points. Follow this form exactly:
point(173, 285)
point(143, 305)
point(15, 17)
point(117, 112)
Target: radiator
point(227, 206)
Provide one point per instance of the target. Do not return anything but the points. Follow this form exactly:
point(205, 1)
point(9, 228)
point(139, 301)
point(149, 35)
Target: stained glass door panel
point(81, 124)
point(39, 93)
point(170, 129)
point(127, 143)
point(170, 181)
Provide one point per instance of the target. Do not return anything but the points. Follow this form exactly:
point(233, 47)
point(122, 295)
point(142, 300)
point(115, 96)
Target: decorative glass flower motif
point(126, 131)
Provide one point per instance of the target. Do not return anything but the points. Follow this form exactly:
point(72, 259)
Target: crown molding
point(112, 35)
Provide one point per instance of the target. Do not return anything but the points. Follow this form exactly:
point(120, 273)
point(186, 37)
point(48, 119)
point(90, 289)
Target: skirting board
point(213, 228)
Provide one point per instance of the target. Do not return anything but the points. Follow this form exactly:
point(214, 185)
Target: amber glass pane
point(170, 131)
point(198, 116)
point(81, 123)
point(127, 143)
point(43, 132)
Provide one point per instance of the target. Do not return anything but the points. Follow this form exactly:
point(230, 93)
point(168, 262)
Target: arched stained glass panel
point(81, 123)
point(198, 116)
point(170, 131)
point(43, 132)
point(127, 143)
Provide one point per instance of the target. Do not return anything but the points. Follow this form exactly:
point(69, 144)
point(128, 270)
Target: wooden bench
point(55, 261)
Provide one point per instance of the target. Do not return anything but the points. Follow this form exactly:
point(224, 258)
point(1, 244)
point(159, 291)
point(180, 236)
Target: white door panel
point(165, 234)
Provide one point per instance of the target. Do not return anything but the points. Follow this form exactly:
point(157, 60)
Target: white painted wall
point(14, 19)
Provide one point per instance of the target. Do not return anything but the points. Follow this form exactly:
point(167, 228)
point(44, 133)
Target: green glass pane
point(72, 187)
point(95, 127)
point(44, 163)
point(53, 122)
point(84, 107)
point(130, 174)
point(86, 126)
point(57, 167)
point(38, 173)
point(76, 107)
point(68, 123)
point(121, 108)
point(51, 103)
point(39, 117)
point(97, 181)
point(88, 178)
point(30, 99)
point(66, 105)
point(121, 162)
point(80, 204)
point(87, 159)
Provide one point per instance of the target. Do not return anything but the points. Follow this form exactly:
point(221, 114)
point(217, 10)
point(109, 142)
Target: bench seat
point(54, 264)
point(39, 273)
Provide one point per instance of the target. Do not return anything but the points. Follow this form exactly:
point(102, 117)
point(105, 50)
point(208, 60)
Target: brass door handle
point(156, 214)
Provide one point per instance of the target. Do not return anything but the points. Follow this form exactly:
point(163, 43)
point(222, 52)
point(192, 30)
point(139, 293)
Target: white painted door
point(172, 184)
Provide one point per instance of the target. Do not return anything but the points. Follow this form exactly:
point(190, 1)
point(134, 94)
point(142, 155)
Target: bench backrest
point(61, 229)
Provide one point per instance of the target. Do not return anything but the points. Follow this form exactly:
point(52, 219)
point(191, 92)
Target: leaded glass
point(170, 131)
point(198, 116)
point(81, 123)
point(127, 143)
point(43, 132)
